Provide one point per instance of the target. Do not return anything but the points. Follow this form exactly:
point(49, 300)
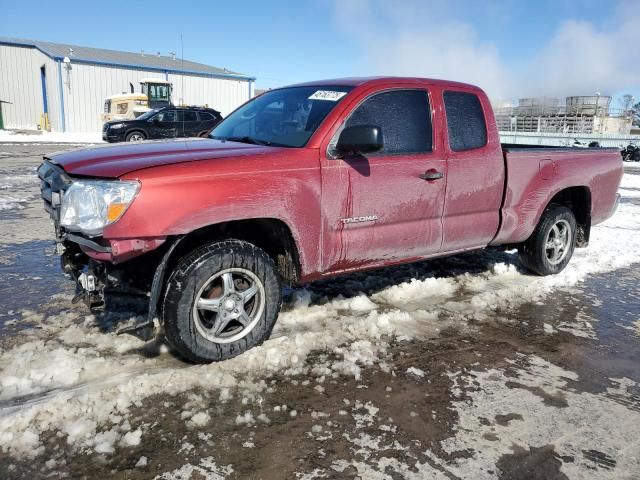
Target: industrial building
point(583, 115)
point(61, 87)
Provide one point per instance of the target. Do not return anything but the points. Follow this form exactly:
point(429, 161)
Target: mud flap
point(145, 331)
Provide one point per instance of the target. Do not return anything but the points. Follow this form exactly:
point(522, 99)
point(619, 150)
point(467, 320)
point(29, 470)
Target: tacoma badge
point(366, 218)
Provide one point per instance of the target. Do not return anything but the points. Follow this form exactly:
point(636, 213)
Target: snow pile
point(69, 377)
point(418, 293)
point(72, 355)
point(50, 137)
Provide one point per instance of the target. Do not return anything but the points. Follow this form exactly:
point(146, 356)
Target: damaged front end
point(90, 276)
point(100, 267)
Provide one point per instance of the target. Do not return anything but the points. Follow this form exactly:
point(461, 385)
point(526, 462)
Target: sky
point(511, 48)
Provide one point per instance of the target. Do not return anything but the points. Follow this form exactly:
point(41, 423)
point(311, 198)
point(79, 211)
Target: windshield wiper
point(246, 139)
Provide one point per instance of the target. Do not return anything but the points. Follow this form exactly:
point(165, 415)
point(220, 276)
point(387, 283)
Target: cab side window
point(465, 121)
point(404, 116)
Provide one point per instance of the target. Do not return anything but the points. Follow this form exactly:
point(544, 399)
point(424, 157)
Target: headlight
point(116, 126)
point(91, 205)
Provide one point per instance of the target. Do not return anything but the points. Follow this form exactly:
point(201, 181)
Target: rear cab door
point(476, 171)
point(376, 208)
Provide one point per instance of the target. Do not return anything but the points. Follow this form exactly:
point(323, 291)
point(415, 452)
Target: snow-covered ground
point(17, 188)
point(66, 377)
point(50, 137)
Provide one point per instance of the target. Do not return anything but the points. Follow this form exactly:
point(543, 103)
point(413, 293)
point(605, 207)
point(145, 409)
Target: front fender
point(178, 199)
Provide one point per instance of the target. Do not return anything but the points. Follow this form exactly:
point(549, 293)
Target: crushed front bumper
point(100, 265)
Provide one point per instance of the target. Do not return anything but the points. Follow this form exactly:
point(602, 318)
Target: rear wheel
point(135, 137)
point(221, 300)
point(550, 246)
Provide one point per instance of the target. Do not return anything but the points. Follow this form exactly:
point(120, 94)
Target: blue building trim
point(43, 81)
point(63, 124)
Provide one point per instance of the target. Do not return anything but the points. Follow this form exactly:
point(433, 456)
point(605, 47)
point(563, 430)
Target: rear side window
point(404, 116)
point(205, 116)
point(465, 121)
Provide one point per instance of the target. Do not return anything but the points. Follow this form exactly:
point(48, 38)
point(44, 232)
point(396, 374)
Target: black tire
point(534, 254)
point(135, 132)
point(183, 332)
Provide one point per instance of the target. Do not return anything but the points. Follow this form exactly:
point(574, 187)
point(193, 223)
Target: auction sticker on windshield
point(329, 95)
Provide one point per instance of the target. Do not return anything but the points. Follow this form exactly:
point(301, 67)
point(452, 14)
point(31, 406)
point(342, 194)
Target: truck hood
point(113, 161)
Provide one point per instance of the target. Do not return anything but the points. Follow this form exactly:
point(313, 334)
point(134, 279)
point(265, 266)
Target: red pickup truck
point(309, 181)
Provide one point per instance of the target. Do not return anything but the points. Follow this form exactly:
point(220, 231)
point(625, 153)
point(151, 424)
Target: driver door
point(165, 124)
point(380, 208)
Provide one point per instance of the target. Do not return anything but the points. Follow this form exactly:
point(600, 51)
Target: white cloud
point(581, 58)
point(428, 38)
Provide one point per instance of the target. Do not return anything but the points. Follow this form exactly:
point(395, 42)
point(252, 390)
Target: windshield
point(285, 117)
point(148, 114)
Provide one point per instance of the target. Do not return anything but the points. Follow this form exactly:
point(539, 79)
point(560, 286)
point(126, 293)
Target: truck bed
point(537, 173)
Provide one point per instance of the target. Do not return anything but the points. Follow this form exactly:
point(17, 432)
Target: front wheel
point(550, 246)
point(135, 137)
point(221, 300)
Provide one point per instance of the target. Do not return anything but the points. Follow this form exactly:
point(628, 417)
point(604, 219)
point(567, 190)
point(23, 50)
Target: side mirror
point(155, 121)
point(359, 139)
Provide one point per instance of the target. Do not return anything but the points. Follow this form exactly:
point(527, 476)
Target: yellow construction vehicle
point(155, 93)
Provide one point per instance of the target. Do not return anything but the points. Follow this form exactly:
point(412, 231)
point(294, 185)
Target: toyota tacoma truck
point(305, 182)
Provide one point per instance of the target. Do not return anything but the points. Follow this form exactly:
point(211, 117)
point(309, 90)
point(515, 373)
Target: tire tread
point(530, 252)
point(227, 252)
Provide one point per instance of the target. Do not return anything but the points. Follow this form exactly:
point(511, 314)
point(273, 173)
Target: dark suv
point(166, 122)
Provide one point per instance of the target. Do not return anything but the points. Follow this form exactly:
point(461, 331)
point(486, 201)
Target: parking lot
point(464, 367)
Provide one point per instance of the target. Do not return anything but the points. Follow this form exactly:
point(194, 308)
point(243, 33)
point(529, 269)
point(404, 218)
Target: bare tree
point(626, 103)
point(635, 111)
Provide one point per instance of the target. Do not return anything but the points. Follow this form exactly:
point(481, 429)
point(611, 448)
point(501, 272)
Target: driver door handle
point(431, 175)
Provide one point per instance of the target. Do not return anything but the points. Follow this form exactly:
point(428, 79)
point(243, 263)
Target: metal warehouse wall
point(87, 85)
point(224, 95)
point(90, 84)
point(20, 84)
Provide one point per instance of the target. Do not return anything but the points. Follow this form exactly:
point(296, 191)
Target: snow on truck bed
point(66, 376)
